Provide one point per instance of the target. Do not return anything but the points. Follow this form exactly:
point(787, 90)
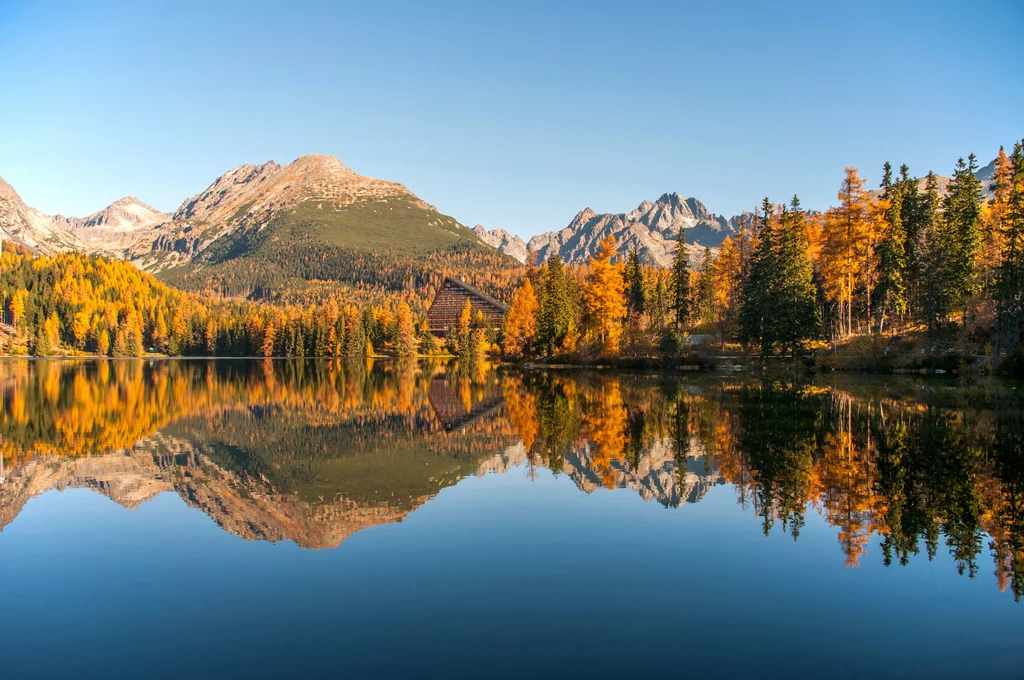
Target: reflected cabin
point(447, 306)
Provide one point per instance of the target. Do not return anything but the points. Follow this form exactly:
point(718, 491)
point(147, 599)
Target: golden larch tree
point(521, 321)
point(604, 296)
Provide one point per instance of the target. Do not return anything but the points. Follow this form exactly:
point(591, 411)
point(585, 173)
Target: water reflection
point(313, 451)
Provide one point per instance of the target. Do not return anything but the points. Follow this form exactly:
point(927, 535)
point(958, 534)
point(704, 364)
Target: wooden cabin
point(447, 306)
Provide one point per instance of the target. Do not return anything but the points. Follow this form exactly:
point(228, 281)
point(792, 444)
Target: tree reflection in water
point(312, 451)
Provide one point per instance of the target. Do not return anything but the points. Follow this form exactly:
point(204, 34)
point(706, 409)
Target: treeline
point(76, 304)
point(946, 263)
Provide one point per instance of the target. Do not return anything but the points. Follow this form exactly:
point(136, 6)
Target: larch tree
point(847, 250)
point(520, 330)
point(604, 296)
point(405, 337)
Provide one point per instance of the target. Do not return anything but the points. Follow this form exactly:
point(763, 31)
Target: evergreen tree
point(791, 297)
point(961, 215)
point(636, 295)
point(681, 283)
point(931, 250)
point(559, 308)
point(1009, 288)
point(891, 292)
point(757, 311)
point(704, 297)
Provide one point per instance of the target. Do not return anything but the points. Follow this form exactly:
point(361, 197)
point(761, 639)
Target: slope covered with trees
point(879, 267)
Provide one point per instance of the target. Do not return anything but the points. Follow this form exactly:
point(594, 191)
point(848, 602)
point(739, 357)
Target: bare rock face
point(32, 228)
point(502, 240)
point(652, 229)
point(115, 229)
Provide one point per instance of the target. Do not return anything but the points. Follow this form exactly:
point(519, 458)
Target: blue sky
point(512, 116)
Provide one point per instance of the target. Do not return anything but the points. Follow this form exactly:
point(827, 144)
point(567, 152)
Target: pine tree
point(681, 283)
point(891, 291)
point(636, 294)
point(559, 309)
point(929, 247)
point(704, 296)
point(962, 218)
point(757, 311)
point(791, 297)
point(1009, 288)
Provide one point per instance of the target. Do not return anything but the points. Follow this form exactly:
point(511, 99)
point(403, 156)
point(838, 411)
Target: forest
point(928, 271)
point(905, 269)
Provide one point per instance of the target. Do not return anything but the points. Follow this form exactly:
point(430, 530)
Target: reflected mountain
point(314, 451)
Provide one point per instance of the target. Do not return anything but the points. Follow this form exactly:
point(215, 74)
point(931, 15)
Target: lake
point(376, 519)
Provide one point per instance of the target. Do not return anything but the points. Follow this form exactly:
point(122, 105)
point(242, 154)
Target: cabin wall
point(447, 309)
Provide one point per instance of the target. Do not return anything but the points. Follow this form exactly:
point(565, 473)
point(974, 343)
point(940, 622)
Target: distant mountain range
point(254, 211)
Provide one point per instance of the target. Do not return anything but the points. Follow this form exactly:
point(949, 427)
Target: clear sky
point(515, 115)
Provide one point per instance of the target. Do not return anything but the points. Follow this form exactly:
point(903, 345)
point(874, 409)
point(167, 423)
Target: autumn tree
point(604, 297)
point(520, 330)
point(405, 338)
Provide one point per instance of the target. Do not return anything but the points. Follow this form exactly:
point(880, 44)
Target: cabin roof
point(476, 292)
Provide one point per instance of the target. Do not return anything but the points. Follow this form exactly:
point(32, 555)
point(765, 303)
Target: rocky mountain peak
point(502, 240)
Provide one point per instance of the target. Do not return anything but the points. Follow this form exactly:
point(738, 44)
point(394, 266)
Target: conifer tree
point(704, 297)
point(636, 295)
point(520, 329)
point(791, 315)
point(757, 310)
point(962, 218)
point(681, 283)
point(559, 308)
point(604, 297)
point(1009, 289)
point(405, 340)
point(929, 245)
point(891, 291)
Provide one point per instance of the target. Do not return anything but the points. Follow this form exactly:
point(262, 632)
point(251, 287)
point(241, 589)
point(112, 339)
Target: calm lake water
point(286, 518)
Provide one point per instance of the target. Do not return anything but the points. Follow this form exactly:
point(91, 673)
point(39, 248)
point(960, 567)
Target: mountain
point(114, 230)
point(502, 240)
point(270, 229)
point(111, 231)
point(32, 228)
point(315, 200)
point(652, 229)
